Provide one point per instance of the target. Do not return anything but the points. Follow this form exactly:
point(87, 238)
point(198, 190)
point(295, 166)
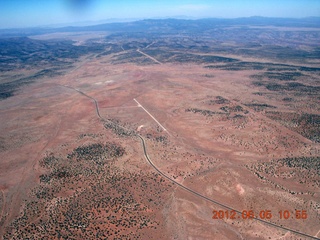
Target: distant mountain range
point(170, 24)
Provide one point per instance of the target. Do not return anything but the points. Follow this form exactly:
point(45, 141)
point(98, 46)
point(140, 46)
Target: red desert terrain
point(161, 150)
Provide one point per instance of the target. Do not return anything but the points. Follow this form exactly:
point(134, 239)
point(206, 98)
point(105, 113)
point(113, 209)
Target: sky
point(33, 13)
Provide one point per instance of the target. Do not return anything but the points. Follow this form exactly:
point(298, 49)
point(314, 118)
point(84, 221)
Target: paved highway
point(213, 201)
point(143, 143)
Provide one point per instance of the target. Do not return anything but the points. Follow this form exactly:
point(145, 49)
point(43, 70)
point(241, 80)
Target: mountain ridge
point(173, 23)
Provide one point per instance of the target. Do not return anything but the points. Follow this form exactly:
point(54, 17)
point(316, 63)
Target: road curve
point(211, 200)
point(186, 188)
point(93, 99)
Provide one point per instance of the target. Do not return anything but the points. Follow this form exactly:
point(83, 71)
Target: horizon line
point(128, 20)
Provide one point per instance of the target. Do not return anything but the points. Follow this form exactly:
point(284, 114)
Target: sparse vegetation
point(117, 128)
point(203, 112)
point(301, 170)
point(221, 112)
point(259, 106)
point(308, 125)
point(99, 200)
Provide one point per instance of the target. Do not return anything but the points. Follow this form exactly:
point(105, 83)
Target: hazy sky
point(25, 13)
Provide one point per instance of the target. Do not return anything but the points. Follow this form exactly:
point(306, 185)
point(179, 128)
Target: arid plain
point(146, 142)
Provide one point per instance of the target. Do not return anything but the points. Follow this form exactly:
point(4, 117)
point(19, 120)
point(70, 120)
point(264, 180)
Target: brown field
point(67, 172)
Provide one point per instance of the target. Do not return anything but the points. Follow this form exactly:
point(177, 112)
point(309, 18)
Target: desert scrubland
point(229, 112)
